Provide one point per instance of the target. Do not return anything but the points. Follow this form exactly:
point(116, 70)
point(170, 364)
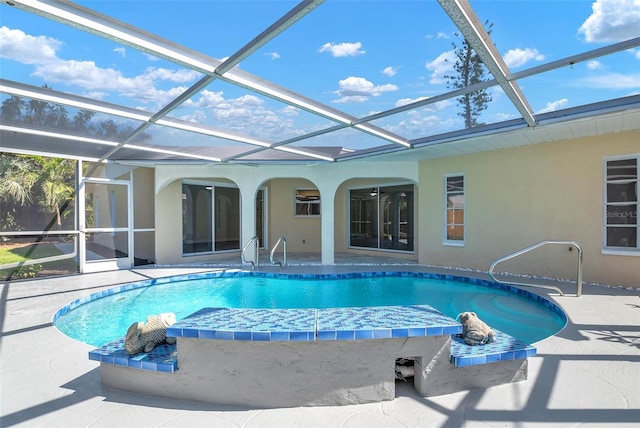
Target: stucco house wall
point(514, 198)
point(303, 233)
point(517, 197)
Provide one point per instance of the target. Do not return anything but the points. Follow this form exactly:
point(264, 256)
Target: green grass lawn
point(29, 252)
point(12, 254)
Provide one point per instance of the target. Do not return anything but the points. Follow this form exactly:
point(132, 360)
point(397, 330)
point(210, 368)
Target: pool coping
point(300, 325)
point(231, 273)
point(505, 347)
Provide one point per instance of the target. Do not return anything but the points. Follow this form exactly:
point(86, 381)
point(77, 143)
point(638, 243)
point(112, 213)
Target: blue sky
point(361, 57)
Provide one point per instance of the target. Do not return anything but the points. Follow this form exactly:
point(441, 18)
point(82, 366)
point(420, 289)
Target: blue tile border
point(328, 324)
point(503, 348)
point(231, 273)
point(383, 322)
point(163, 358)
point(248, 324)
point(262, 325)
point(379, 322)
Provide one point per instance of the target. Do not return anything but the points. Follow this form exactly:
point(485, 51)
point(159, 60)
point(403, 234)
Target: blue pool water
point(104, 319)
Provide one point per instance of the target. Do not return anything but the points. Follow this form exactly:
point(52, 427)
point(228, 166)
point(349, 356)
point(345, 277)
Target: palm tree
point(17, 178)
point(36, 112)
point(11, 109)
point(82, 119)
point(55, 180)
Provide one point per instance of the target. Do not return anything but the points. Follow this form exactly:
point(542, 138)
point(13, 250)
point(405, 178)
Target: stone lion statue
point(143, 336)
point(474, 330)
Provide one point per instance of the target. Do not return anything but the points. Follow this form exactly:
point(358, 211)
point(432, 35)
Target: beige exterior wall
point(514, 198)
point(303, 233)
point(517, 197)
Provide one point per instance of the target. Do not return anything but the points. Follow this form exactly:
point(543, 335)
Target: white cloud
point(404, 101)
point(438, 35)
point(501, 117)
point(180, 76)
point(208, 99)
point(390, 71)
point(359, 89)
point(42, 52)
point(121, 51)
point(612, 81)
point(273, 55)
point(423, 122)
point(246, 114)
point(96, 95)
point(27, 49)
point(612, 21)
point(343, 49)
point(554, 105)
point(429, 108)
point(518, 57)
point(150, 57)
point(594, 65)
point(440, 66)
point(291, 111)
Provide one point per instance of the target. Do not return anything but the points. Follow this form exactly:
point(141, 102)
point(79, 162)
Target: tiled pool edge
point(240, 273)
point(295, 325)
point(163, 358)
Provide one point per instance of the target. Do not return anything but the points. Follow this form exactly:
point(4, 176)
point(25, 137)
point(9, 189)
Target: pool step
point(503, 348)
point(163, 358)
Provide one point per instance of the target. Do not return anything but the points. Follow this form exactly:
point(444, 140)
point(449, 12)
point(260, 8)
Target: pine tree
point(469, 70)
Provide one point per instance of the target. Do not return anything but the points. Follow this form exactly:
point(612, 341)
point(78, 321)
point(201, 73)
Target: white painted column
point(248, 215)
point(327, 216)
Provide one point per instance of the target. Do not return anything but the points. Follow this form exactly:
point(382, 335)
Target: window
point(382, 217)
point(620, 231)
point(307, 202)
point(454, 210)
point(202, 232)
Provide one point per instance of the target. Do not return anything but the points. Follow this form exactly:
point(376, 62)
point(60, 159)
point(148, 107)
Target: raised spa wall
point(270, 358)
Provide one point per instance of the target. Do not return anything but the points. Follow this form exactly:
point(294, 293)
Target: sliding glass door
point(210, 218)
point(382, 217)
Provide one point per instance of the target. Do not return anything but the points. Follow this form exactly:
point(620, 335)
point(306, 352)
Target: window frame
point(211, 187)
point(445, 240)
point(611, 250)
point(309, 204)
point(378, 221)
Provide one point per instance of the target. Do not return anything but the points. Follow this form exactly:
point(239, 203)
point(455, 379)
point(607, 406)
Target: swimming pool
point(105, 316)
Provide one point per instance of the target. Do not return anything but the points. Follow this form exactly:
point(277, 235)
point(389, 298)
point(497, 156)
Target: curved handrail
point(254, 262)
point(284, 249)
point(533, 247)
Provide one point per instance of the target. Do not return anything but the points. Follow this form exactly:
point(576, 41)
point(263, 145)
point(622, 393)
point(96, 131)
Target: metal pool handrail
point(284, 249)
point(533, 247)
point(254, 262)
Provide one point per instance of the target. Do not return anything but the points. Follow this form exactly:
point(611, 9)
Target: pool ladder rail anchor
point(282, 264)
point(533, 247)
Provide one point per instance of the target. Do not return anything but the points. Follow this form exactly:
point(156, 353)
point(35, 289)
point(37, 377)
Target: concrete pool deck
point(587, 375)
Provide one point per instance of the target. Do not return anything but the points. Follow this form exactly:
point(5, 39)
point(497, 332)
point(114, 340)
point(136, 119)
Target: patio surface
point(587, 375)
